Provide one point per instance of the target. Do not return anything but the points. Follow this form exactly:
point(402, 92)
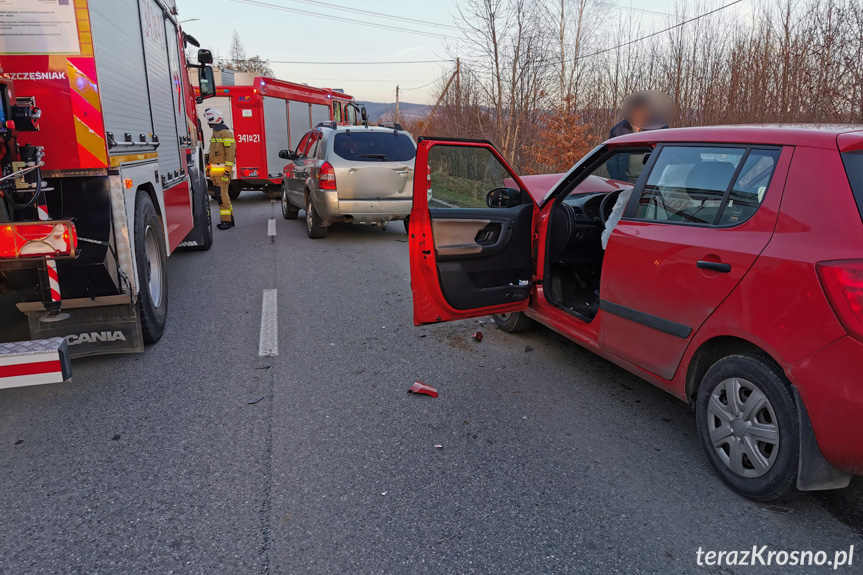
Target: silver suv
point(354, 174)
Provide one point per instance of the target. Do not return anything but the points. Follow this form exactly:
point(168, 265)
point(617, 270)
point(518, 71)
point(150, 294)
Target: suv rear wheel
point(314, 223)
point(748, 426)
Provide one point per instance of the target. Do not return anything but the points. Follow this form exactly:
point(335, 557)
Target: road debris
point(477, 336)
point(438, 446)
point(255, 400)
point(527, 349)
point(420, 387)
point(384, 492)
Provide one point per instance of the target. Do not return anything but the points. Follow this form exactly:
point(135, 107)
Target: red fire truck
point(102, 178)
point(273, 115)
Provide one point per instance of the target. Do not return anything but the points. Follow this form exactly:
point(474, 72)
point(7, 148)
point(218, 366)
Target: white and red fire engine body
point(273, 115)
point(118, 132)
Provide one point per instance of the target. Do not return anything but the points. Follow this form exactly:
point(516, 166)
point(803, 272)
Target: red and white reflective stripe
point(53, 277)
point(32, 369)
point(53, 280)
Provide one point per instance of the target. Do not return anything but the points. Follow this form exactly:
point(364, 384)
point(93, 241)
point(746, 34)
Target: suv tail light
point(37, 239)
point(842, 281)
point(328, 177)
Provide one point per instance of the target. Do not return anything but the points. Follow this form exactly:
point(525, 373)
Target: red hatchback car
point(733, 278)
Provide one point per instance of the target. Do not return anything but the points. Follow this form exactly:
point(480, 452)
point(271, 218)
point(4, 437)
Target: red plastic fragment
point(477, 336)
point(420, 387)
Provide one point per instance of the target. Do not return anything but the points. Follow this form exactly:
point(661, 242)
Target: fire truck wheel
point(150, 254)
point(234, 190)
point(208, 228)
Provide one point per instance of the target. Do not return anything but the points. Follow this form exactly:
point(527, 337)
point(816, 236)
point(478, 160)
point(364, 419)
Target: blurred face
point(639, 116)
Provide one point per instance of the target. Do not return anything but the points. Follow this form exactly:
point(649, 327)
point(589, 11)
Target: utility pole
point(458, 83)
point(398, 116)
point(439, 100)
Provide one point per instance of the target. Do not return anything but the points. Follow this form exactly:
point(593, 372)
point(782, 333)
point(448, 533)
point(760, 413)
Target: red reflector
point(32, 240)
point(842, 282)
point(248, 172)
point(328, 177)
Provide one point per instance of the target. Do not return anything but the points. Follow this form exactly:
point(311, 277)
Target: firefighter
point(223, 153)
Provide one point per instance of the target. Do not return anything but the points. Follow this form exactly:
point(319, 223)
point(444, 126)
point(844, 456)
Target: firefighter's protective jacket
point(223, 149)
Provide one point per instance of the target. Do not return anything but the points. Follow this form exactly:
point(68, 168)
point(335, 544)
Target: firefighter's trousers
point(222, 181)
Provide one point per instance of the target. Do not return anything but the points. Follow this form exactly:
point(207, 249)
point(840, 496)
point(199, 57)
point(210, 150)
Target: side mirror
point(205, 57)
point(286, 154)
point(206, 83)
point(503, 198)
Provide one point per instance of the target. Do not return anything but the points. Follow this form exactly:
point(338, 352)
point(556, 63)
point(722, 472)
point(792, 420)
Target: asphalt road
point(552, 460)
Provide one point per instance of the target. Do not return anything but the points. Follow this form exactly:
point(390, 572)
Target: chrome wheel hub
point(153, 266)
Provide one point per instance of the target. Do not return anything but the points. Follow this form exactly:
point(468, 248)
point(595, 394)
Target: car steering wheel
point(604, 206)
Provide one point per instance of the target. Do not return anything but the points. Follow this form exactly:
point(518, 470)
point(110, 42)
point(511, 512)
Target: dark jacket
point(618, 165)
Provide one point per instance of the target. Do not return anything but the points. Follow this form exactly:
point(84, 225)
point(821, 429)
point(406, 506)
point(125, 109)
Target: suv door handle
point(714, 266)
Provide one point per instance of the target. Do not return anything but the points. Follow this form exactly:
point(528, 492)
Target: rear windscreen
point(374, 147)
point(854, 168)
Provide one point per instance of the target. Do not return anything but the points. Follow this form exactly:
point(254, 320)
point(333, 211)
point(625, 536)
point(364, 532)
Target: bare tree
point(241, 63)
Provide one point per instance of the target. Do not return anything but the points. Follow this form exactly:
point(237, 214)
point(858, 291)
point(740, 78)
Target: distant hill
point(379, 111)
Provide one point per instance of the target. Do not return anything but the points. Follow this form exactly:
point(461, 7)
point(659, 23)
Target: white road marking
point(271, 227)
point(269, 340)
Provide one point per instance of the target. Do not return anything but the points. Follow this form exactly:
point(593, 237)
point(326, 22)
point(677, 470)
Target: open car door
point(471, 232)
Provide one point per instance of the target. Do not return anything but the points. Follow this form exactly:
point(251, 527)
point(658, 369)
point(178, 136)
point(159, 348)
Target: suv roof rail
point(332, 125)
point(393, 125)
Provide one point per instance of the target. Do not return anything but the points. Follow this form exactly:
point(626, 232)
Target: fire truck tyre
point(513, 322)
point(208, 228)
point(234, 190)
point(749, 428)
point(314, 223)
point(289, 210)
point(150, 254)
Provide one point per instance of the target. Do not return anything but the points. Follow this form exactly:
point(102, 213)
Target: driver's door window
point(463, 176)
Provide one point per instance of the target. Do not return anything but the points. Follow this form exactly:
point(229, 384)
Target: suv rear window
point(374, 147)
point(854, 168)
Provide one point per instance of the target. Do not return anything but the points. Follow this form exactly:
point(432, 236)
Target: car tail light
point(328, 177)
point(842, 281)
point(248, 172)
point(37, 239)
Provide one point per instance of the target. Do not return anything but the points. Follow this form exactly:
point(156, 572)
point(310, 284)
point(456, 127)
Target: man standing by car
point(223, 153)
point(642, 111)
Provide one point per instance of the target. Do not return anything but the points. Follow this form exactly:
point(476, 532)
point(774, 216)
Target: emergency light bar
point(38, 239)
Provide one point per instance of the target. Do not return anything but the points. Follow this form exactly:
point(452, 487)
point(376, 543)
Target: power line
point(340, 19)
point(340, 63)
point(377, 14)
point(614, 6)
point(664, 30)
point(427, 85)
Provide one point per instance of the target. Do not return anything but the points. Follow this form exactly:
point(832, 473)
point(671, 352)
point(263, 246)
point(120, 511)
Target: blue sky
point(281, 35)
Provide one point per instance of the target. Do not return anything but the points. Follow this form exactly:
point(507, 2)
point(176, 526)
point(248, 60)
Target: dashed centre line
point(268, 345)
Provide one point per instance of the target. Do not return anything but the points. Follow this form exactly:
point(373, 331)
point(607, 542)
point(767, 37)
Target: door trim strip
point(651, 321)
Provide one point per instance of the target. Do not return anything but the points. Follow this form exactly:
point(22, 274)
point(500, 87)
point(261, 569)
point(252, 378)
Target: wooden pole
point(445, 90)
point(398, 115)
